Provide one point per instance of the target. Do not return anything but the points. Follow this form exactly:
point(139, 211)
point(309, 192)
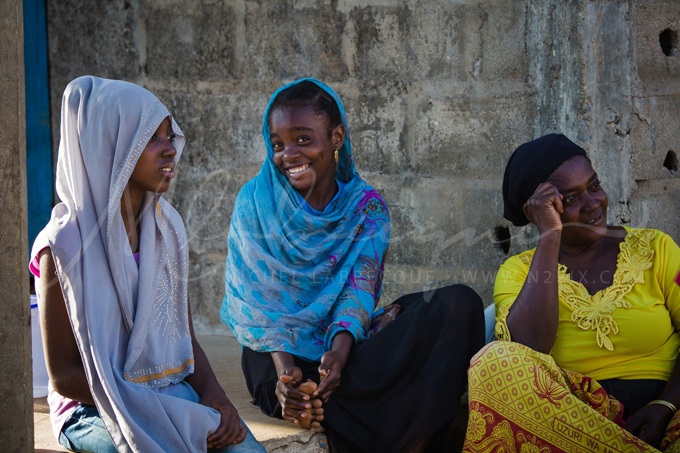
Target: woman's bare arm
point(533, 316)
point(64, 364)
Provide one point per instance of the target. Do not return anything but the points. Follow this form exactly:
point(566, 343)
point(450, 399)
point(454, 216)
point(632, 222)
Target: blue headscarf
point(295, 278)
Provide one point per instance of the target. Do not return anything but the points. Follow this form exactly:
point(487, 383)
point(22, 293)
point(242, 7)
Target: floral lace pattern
point(501, 328)
point(594, 312)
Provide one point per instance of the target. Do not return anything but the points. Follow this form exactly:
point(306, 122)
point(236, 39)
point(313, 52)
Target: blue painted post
point(39, 173)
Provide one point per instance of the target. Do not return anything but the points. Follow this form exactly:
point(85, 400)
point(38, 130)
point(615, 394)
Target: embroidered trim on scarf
point(595, 312)
point(162, 373)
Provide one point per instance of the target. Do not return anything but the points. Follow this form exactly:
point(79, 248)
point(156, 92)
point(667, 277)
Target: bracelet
point(668, 404)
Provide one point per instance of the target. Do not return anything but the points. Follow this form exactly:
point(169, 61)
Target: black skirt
point(400, 386)
point(633, 393)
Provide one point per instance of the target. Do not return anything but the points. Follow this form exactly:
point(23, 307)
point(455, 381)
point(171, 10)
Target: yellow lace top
point(628, 330)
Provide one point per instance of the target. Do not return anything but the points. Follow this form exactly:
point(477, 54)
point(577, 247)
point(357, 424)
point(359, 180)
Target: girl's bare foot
point(310, 421)
point(317, 412)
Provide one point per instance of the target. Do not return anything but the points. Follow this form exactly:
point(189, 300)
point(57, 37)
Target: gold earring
point(335, 153)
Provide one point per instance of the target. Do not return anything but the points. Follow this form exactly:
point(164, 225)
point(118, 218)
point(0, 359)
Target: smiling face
point(303, 145)
point(584, 201)
point(156, 165)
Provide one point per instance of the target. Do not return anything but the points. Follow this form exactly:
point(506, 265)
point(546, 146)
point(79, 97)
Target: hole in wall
point(502, 235)
point(669, 42)
point(671, 162)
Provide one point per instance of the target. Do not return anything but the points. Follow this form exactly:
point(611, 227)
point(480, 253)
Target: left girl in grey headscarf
point(119, 252)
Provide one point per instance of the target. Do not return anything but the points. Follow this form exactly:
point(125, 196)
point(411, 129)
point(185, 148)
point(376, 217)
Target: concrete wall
point(438, 94)
point(16, 420)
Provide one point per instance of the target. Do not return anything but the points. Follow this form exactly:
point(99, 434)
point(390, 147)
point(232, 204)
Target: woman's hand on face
point(544, 207)
point(294, 403)
point(649, 423)
point(230, 431)
point(330, 372)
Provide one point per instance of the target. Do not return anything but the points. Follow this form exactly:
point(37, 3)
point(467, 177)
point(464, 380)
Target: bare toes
point(293, 420)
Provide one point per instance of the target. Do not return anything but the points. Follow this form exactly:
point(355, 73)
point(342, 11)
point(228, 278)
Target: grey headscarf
point(131, 323)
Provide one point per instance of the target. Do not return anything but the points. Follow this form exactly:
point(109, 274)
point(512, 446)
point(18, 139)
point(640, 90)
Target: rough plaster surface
point(438, 95)
point(16, 427)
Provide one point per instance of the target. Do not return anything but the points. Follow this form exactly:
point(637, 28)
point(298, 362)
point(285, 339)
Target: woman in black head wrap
point(587, 320)
point(530, 165)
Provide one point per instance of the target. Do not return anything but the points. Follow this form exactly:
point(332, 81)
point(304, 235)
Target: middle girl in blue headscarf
point(307, 247)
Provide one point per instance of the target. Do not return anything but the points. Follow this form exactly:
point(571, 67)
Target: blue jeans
point(84, 432)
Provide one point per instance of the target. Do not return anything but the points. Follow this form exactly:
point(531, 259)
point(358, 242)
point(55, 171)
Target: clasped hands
point(302, 402)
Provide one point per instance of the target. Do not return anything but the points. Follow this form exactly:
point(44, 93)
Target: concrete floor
point(224, 353)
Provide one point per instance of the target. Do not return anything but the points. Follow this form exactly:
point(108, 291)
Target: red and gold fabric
point(521, 401)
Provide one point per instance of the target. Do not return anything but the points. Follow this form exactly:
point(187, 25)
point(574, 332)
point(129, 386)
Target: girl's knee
point(461, 300)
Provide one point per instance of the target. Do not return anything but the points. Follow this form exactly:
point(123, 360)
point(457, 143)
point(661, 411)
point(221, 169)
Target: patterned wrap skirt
point(521, 401)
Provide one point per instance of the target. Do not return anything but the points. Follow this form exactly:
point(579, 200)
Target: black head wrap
point(530, 165)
